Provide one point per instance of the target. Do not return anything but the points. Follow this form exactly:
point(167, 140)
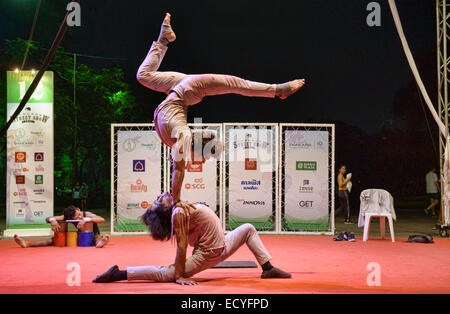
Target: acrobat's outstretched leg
point(194, 87)
point(148, 74)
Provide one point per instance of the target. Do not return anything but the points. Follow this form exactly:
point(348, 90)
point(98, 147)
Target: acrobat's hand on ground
point(186, 207)
point(55, 226)
point(185, 282)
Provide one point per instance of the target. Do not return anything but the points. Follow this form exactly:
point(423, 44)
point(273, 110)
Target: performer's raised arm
point(181, 232)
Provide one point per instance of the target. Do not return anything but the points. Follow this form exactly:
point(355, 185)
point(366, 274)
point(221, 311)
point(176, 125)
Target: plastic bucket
point(60, 238)
point(85, 239)
point(72, 239)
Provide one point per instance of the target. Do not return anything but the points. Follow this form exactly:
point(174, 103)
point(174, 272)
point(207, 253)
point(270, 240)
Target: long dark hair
point(159, 221)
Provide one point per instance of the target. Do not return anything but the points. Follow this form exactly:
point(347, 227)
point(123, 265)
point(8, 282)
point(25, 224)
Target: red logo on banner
point(197, 185)
point(21, 157)
point(138, 187)
point(145, 205)
point(251, 164)
point(22, 192)
point(194, 167)
point(20, 179)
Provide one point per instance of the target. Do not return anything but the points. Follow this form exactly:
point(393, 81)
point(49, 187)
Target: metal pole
point(31, 34)
point(443, 103)
point(438, 44)
point(34, 84)
point(75, 145)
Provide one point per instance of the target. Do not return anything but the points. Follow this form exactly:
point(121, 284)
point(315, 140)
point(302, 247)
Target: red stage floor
point(318, 265)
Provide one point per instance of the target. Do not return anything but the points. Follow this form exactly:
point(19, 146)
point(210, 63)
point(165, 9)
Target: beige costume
point(210, 244)
point(184, 90)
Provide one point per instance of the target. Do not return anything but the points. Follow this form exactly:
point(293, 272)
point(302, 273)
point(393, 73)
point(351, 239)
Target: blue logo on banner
point(38, 156)
point(138, 165)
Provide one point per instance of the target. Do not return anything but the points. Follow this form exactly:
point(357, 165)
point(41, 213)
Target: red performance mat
point(317, 264)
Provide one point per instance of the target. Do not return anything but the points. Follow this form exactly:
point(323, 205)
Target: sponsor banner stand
point(138, 170)
point(280, 178)
point(29, 175)
point(251, 176)
point(307, 178)
point(203, 182)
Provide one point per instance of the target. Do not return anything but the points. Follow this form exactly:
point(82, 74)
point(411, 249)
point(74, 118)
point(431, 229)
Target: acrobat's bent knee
point(249, 228)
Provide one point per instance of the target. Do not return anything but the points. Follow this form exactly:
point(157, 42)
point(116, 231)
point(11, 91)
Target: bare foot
point(103, 241)
point(287, 89)
point(20, 241)
point(166, 35)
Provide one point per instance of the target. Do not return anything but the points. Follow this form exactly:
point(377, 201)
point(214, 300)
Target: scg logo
point(197, 185)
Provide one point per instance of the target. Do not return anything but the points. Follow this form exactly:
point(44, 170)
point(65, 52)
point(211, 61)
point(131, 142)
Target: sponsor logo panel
point(20, 213)
point(305, 204)
point(251, 202)
point(38, 156)
point(39, 191)
point(251, 185)
point(194, 167)
point(196, 185)
point(138, 187)
point(20, 179)
point(306, 187)
point(138, 165)
point(306, 165)
point(39, 179)
point(251, 164)
point(20, 157)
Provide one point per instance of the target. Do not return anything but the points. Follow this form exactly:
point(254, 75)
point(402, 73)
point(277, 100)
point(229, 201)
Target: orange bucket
point(60, 238)
point(72, 239)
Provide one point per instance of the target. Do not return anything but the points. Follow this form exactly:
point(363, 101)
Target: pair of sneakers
point(345, 236)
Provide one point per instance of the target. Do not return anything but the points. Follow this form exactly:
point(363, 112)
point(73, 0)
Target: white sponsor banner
point(306, 180)
point(29, 177)
point(200, 183)
point(138, 176)
point(251, 164)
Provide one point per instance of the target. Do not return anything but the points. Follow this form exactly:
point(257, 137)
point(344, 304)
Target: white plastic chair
point(376, 203)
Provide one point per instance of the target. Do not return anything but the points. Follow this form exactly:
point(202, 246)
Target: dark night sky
point(352, 70)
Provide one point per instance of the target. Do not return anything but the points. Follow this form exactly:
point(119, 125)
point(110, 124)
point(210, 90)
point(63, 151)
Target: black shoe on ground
point(106, 276)
point(275, 273)
point(341, 236)
point(351, 237)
